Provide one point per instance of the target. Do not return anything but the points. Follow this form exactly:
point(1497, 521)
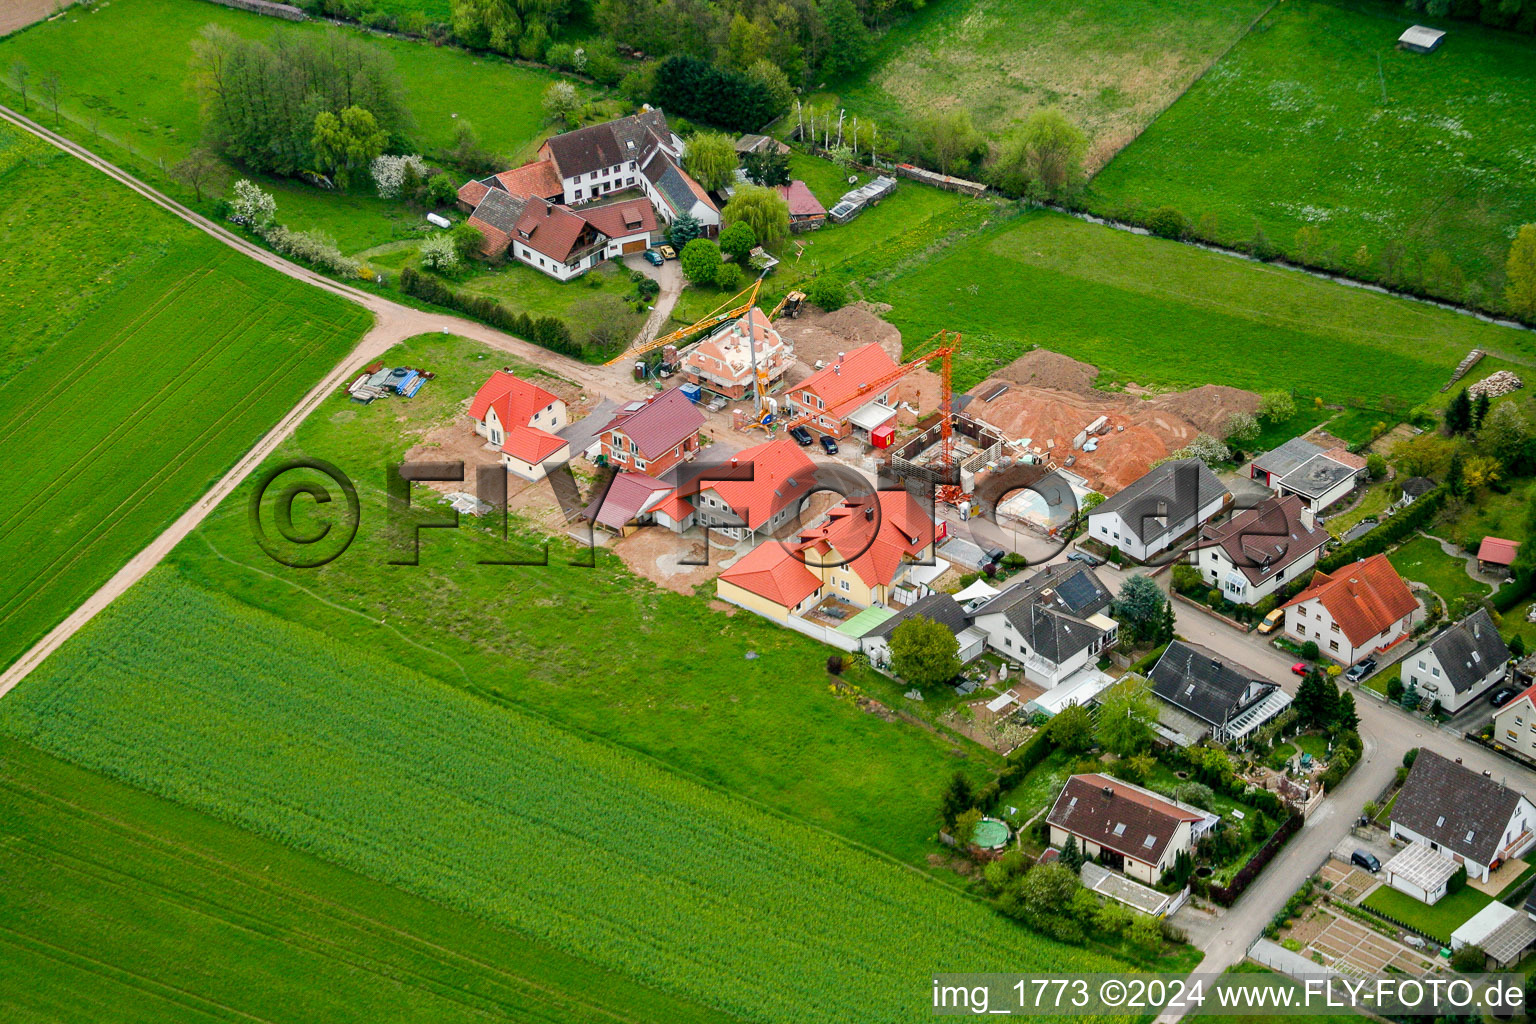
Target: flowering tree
point(251, 205)
point(440, 254)
point(389, 172)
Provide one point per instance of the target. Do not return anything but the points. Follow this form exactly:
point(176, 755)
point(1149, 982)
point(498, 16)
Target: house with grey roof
point(1462, 815)
point(939, 607)
point(1251, 555)
point(1319, 476)
point(1459, 665)
point(1168, 502)
point(1053, 624)
point(1268, 468)
point(1227, 701)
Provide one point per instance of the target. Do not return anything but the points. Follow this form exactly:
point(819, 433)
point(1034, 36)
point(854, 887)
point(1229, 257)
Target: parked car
point(828, 445)
point(1502, 695)
point(1272, 621)
point(1367, 860)
point(653, 257)
point(994, 555)
point(802, 436)
point(1085, 558)
point(1300, 668)
point(667, 252)
point(1360, 669)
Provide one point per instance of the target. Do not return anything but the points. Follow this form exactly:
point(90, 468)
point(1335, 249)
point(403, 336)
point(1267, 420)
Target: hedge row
point(1020, 763)
point(1226, 895)
point(1388, 533)
point(546, 331)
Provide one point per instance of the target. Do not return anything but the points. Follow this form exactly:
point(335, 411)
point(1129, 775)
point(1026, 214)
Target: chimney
point(1109, 791)
point(869, 513)
point(1308, 520)
point(839, 357)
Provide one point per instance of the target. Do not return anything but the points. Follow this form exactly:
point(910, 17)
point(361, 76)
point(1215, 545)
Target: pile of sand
point(817, 335)
point(1045, 369)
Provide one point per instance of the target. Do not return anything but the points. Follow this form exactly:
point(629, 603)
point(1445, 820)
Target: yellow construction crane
point(729, 310)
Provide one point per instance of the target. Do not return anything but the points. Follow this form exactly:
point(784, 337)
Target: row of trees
point(1516, 15)
point(299, 103)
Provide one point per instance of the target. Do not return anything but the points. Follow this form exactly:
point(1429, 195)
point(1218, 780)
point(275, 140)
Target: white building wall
point(1217, 568)
point(1514, 725)
point(1309, 620)
point(1111, 529)
point(1423, 669)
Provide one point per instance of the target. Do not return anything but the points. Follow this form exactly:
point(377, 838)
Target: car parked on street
point(1272, 621)
point(802, 436)
point(828, 445)
point(1086, 558)
point(1360, 669)
point(1299, 669)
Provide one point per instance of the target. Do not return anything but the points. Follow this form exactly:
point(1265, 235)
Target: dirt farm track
point(15, 14)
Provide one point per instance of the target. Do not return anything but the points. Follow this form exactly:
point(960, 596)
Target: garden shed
point(1420, 872)
point(1421, 39)
point(1501, 931)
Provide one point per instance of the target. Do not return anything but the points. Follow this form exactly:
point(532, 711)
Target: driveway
point(670, 276)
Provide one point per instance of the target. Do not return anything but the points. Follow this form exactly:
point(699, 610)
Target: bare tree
point(20, 74)
point(51, 86)
point(198, 169)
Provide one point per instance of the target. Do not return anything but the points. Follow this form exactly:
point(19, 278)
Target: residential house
point(629, 502)
point(1460, 664)
point(1052, 623)
point(1126, 827)
point(1462, 815)
point(653, 435)
point(859, 552)
point(532, 179)
point(521, 421)
point(609, 157)
point(1319, 476)
point(1169, 501)
point(939, 607)
point(758, 490)
point(1251, 555)
point(1358, 609)
point(805, 211)
point(1514, 724)
point(1412, 489)
point(1228, 702)
point(723, 363)
point(850, 394)
point(1496, 553)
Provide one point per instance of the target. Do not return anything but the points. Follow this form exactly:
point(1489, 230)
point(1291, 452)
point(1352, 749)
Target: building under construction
point(726, 362)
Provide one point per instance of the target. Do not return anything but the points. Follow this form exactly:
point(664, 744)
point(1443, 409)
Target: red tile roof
point(873, 545)
point(846, 385)
point(675, 506)
point(549, 229)
point(1123, 818)
point(1497, 551)
point(530, 444)
point(1364, 598)
point(1345, 457)
point(628, 496)
point(617, 220)
point(801, 202)
point(472, 191)
point(772, 572)
point(538, 178)
point(514, 399)
point(660, 424)
point(781, 473)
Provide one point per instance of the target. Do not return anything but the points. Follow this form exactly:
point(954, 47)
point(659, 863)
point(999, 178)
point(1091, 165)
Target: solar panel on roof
point(1077, 590)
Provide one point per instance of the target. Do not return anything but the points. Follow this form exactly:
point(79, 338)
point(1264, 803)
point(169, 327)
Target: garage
point(638, 245)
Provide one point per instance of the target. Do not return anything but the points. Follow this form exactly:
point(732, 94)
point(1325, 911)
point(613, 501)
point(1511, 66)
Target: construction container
point(692, 392)
point(883, 435)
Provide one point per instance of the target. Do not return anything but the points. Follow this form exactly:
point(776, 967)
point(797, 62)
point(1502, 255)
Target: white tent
point(977, 589)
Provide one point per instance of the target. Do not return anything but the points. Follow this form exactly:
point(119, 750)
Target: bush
point(728, 277)
point(700, 260)
point(1309, 650)
point(1167, 222)
point(828, 293)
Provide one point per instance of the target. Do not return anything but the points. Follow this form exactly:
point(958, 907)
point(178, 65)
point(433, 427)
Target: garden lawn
point(134, 103)
point(596, 650)
point(1110, 65)
point(1167, 315)
point(1361, 426)
point(137, 370)
point(523, 289)
point(1423, 559)
point(1272, 435)
point(122, 906)
point(1438, 921)
point(1038, 789)
point(318, 741)
point(1491, 514)
point(1291, 130)
point(1377, 497)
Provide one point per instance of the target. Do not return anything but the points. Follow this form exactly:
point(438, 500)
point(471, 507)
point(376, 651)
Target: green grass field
point(1290, 130)
point(123, 906)
point(1422, 559)
point(318, 741)
point(138, 368)
point(134, 104)
point(1167, 315)
point(1438, 921)
point(1111, 65)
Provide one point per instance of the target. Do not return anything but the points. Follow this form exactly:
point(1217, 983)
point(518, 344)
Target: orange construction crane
point(736, 306)
point(945, 345)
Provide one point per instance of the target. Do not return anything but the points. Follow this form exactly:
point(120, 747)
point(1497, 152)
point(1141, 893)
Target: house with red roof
point(1354, 611)
point(805, 211)
point(652, 435)
point(769, 484)
point(1514, 724)
point(521, 421)
point(860, 551)
point(1124, 826)
point(1496, 553)
point(851, 394)
point(723, 363)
